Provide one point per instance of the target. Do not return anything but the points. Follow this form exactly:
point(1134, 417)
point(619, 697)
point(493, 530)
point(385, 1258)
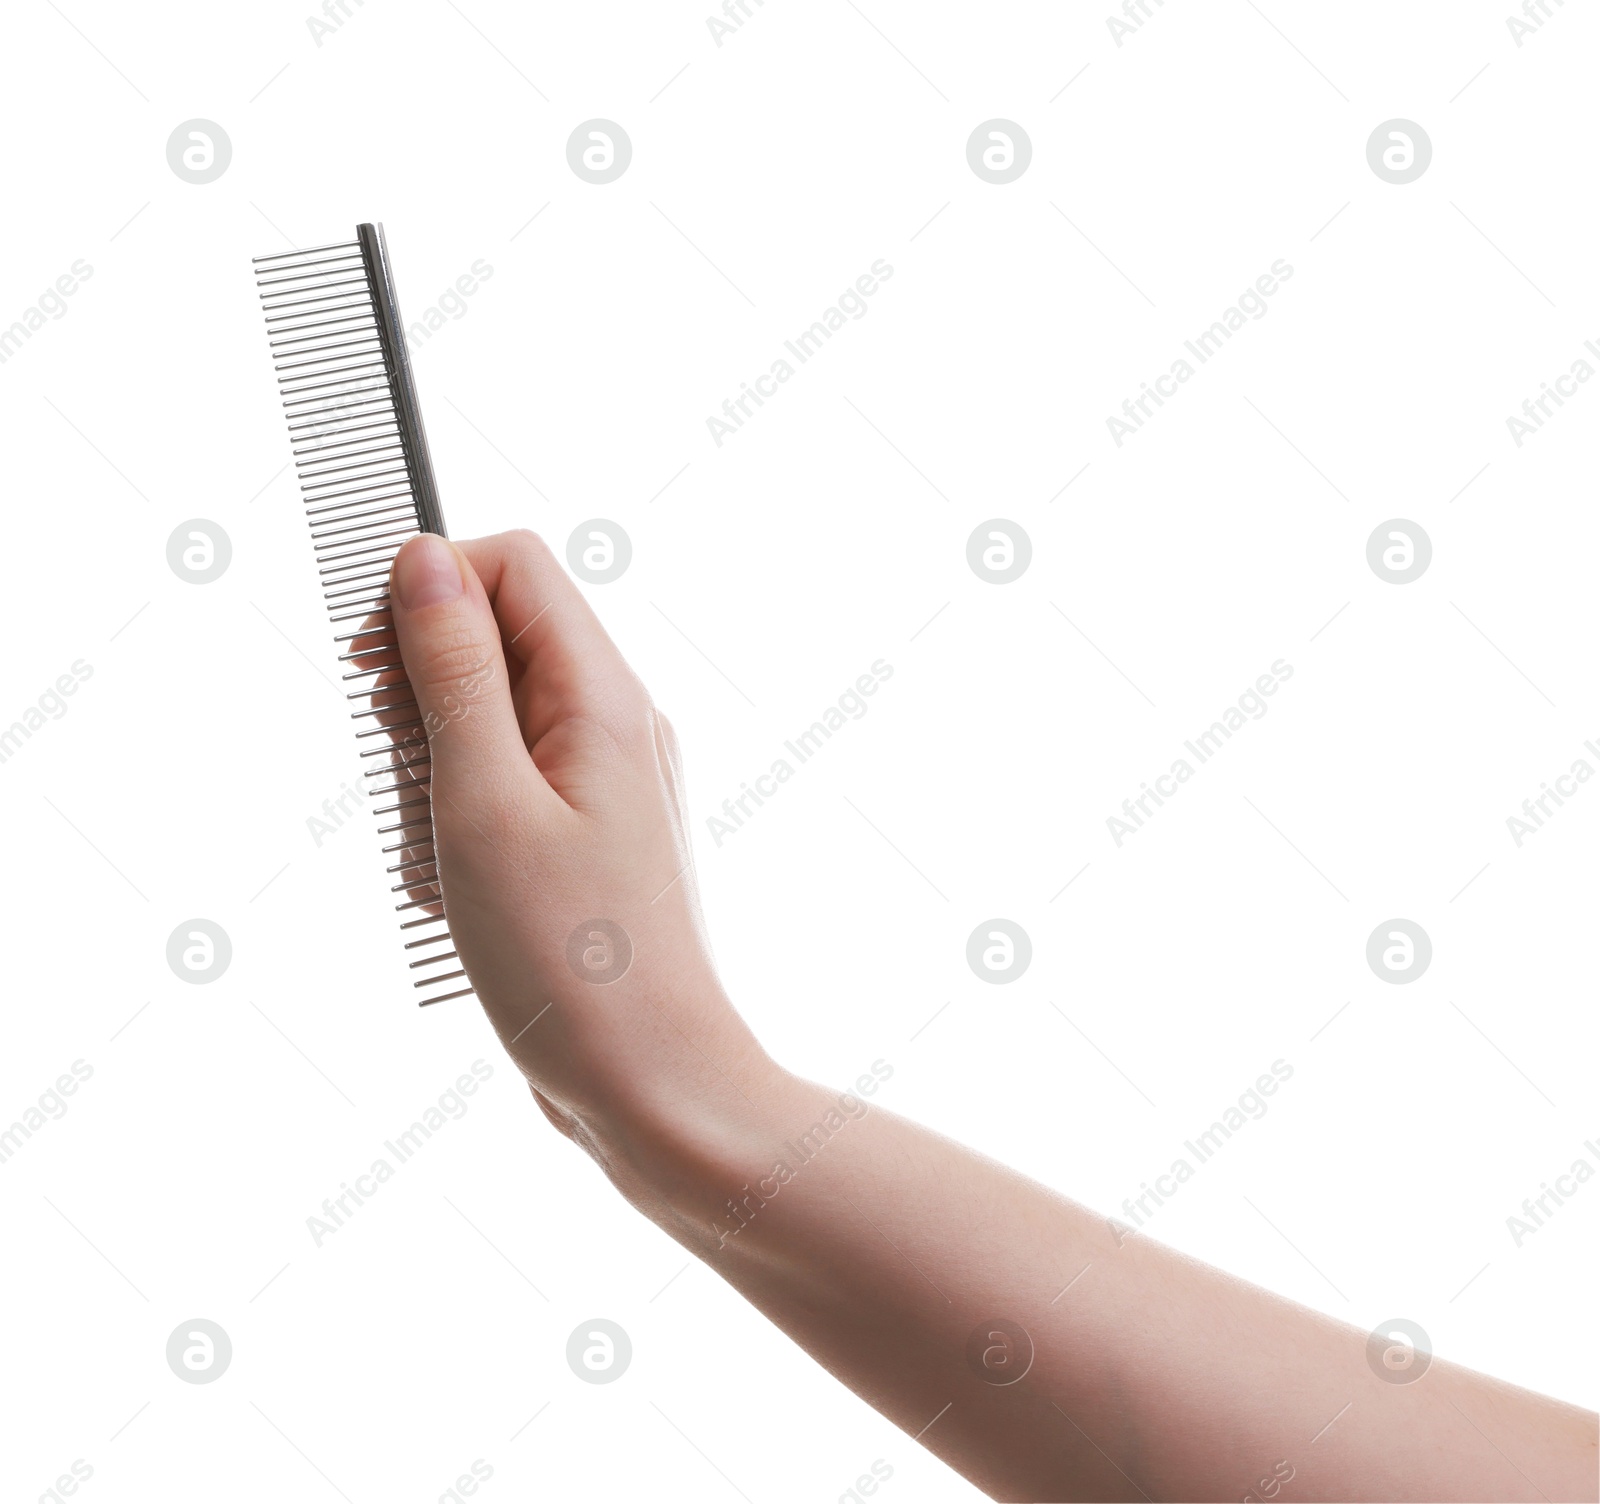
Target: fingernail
point(426, 573)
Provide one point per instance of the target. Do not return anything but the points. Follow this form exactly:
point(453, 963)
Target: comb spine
point(413, 439)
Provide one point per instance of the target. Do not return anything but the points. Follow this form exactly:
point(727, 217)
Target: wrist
point(705, 1169)
point(678, 1143)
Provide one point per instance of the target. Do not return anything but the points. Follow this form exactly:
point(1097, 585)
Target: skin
point(914, 1270)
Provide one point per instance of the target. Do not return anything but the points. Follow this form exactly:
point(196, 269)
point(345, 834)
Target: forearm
point(923, 1275)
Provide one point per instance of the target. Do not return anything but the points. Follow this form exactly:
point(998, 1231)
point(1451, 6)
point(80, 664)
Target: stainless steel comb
point(361, 455)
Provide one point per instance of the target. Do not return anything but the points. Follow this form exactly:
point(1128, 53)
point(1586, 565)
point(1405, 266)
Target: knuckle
point(629, 707)
point(529, 544)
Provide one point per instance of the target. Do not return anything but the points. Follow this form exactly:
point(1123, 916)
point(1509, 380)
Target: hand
point(559, 812)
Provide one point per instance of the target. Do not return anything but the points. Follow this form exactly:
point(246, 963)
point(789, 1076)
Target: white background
point(768, 174)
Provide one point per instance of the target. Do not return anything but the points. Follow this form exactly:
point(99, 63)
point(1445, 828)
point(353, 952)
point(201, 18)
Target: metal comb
point(361, 456)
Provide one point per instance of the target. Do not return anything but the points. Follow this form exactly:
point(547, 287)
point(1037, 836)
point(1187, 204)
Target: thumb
point(450, 644)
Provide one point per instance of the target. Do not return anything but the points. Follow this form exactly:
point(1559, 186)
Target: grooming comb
point(339, 351)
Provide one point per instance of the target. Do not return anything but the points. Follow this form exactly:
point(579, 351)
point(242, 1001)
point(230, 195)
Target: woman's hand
point(560, 827)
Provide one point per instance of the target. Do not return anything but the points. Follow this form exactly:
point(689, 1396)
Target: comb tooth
point(449, 976)
point(386, 451)
point(351, 262)
point(362, 715)
point(354, 505)
point(323, 520)
point(364, 528)
point(317, 511)
point(359, 367)
point(276, 314)
point(333, 424)
point(312, 511)
point(338, 417)
point(421, 861)
point(295, 334)
point(366, 486)
point(310, 250)
point(295, 328)
point(315, 287)
point(330, 469)
point(319, 355)
point(400, 726)
point(387, 549)
point(378, 477)
point(371, 372)
point(355, 521)
point(282, 291)
point(378, 570)
point(421, 877)
point(357, 616)
point(348, 574)
point(340, 443)
point(465, 992)
point(344, 506)
point(368, 507)
point(368, 606)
